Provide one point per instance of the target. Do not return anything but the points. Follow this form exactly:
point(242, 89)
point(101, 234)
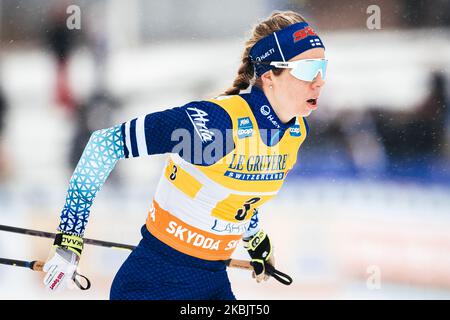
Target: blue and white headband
point(283, 45)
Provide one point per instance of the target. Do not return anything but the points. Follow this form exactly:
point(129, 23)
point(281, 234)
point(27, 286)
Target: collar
point(264, 113)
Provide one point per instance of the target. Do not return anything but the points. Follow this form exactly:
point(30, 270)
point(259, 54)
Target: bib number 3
point(242, 212)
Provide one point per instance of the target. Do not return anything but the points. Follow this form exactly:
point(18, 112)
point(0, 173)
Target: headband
point(283, 45)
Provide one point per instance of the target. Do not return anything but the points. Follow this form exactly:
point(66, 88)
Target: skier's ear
point(267, 79)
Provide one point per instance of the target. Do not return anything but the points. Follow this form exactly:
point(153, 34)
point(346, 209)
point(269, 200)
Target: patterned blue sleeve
point(104, 149)
point(198, 123)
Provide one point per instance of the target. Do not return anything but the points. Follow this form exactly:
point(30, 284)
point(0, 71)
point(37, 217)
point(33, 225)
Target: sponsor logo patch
point(303, 33)
point(265, 110)
point(245, 127)
point(199, 119)
point(229, 227)
point(265, 54)
point(57, 280)
point(294, 131)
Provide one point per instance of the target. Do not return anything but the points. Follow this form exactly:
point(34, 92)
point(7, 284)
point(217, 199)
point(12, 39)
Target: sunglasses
point(306, 69)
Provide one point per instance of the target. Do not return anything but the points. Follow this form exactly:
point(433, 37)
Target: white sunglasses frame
point(292, 65)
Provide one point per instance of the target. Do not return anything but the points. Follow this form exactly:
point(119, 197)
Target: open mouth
point(312, 101)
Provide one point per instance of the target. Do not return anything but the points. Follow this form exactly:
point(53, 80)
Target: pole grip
point(241, 264)
point(37, 265)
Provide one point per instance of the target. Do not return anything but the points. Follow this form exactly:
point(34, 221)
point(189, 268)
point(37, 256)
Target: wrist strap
point(71, 242)
point(280, 276)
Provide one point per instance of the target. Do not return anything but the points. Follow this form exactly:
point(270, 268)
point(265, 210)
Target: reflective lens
point(308, 69)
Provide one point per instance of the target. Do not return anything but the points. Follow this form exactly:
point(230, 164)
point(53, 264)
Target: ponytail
point(246, 72)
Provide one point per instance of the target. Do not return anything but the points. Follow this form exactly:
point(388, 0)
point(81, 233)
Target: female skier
point(228, 156)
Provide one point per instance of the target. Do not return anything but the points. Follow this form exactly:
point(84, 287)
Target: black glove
point(261, 251)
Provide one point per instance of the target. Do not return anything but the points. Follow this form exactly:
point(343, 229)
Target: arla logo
point(245, 127)
point(295, 130)
point(244, 121)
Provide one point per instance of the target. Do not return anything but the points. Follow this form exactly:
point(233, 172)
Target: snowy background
point(364, 215)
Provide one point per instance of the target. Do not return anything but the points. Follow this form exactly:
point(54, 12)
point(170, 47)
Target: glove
point(63, 261)
point(261, 251)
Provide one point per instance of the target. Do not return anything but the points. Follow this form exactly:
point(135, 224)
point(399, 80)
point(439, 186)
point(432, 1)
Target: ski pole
point(233, 263)
point(33, 265)
point(52, 235)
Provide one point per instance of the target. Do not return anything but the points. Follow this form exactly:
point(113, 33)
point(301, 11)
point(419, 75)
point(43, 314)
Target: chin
point(308, 113)
point(304, 113)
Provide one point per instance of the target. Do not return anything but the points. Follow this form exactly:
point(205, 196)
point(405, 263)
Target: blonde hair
point(276, 21)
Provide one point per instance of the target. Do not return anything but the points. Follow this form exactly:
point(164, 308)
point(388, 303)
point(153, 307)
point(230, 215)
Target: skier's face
point(290, 95)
